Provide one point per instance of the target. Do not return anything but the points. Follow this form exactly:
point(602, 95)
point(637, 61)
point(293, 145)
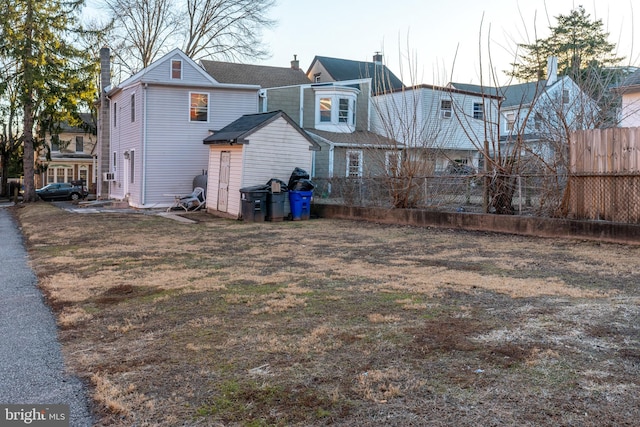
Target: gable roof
point(139, 76)
point(346, 69)
point(521, 94)
point(265, 76)
point(236, 132)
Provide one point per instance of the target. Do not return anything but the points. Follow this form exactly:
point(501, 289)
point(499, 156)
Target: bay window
point(336, 108)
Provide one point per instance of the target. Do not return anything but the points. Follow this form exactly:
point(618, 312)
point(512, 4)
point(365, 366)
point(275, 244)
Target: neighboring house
point(334, 113)
point(630, 92)
point(69, 155)
point(540, 113)
point(251, 151)
point(325, 69)
point(438, 125)
point(158, 119)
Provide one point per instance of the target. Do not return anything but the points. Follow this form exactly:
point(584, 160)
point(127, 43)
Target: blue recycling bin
point(300, 204)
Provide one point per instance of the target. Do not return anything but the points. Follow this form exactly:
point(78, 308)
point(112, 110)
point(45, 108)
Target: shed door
point(223, 182)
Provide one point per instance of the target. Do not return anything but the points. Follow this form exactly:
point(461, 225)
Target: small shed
point(250, 151)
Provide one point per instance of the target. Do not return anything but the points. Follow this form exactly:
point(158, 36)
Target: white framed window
point(511, 120)
point(478, 111)
point(354, 163)
point(79, 144)
point(565, 96)
point(115, 114)
point(59, 174)
point(114, 162)
point(336, 108)
point(343, 110)
point(176, 69)
point(133, 107)
point(445, 108)
point(537, 121)
point(392, 163)
point(198, 107)
point(316, 78)
point(325, 110)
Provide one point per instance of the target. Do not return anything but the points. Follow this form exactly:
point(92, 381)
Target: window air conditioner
point(108, 176)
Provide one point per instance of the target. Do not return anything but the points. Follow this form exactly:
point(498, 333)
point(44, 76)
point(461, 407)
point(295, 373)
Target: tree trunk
point(28, 155)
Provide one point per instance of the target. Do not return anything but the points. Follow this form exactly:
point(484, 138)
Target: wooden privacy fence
point(604, 178)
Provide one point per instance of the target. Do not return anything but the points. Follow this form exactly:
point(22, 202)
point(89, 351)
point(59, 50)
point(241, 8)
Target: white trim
point(171, 69)
point(360, 161)
point(208, 106)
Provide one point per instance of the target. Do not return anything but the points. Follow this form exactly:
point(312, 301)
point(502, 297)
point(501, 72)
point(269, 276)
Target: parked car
point(62, 191)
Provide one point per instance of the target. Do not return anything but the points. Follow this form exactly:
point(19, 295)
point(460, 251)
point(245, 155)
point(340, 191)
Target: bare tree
point(144, 28)
point(228, 29)
point(225, 28)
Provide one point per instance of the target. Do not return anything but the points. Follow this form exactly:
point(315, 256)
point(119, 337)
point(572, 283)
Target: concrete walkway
point(31, 365)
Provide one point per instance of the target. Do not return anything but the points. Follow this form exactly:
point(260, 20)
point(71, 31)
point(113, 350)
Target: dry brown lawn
point(327, 322)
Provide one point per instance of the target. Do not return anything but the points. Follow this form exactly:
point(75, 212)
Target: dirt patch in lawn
point(338, 322)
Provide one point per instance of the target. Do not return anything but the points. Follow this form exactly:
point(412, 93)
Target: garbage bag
point(297, 175)
point(303, 185)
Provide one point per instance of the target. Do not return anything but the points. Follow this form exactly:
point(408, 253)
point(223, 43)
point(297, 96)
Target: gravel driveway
point(31, 365)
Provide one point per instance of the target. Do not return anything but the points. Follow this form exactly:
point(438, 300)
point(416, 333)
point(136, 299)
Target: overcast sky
point(430, 32)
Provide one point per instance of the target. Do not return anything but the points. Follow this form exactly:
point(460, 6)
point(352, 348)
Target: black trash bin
point(275, 206)
point(254, 203)
point(275, 200)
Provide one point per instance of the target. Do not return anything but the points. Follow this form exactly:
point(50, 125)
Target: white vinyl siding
point(175, 151)
point(272, 151)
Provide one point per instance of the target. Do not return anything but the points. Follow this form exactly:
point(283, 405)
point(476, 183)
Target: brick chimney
point(377, 58)
point(295, 64)
point(104, 136)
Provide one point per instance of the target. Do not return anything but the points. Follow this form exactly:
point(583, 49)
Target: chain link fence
point(609, 197)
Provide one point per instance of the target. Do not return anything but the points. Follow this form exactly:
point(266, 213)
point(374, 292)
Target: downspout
point(301, 108)
point(144, 146)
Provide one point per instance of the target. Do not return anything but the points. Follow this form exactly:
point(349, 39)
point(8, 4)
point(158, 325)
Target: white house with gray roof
point(157, 122)
point(442, 125)
point(540, 113)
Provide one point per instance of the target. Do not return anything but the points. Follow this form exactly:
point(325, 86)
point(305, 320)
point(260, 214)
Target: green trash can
point(254, 203)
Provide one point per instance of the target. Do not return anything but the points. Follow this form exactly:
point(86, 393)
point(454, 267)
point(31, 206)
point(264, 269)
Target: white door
point(223, 182)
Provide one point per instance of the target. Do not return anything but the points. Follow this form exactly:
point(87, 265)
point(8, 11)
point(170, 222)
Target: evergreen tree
point(578, 42)
point(52, 77)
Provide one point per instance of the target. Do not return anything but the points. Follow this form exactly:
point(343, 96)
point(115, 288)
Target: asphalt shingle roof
point(265, 76)
point(357, 138)
point(346, 69)
point(631, 80)
point(241, 128)
point(514, 95)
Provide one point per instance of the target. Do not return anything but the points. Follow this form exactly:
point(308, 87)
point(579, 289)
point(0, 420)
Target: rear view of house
point(158, 119)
